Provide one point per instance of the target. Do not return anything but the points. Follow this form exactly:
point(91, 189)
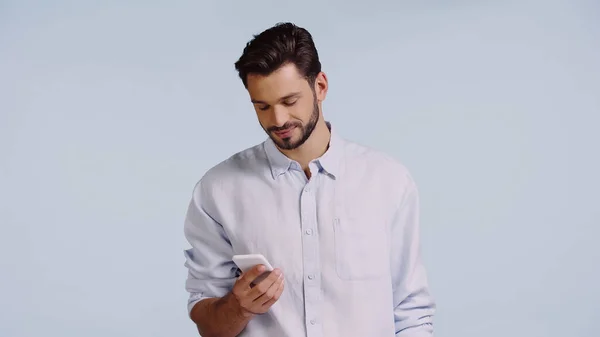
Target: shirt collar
point(328, 162)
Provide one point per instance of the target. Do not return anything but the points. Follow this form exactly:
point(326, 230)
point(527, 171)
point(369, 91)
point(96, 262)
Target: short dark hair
point(277, 46)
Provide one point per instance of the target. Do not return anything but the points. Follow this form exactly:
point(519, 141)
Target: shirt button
point(310, 277)
point(309, 231)
point(307, 190)
point(313, 322)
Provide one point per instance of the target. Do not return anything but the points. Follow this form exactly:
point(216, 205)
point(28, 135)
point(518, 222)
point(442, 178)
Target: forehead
point(279, 83)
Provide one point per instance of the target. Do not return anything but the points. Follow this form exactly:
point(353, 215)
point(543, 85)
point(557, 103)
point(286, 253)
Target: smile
point(285, 133)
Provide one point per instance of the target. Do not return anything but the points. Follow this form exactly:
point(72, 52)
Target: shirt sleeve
point(211, 271)
point(413, 304)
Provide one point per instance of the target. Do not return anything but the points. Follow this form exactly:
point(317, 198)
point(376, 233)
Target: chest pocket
point(362, 243)
point(361, 246)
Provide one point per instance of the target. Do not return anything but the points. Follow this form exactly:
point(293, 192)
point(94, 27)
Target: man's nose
point(280, 116)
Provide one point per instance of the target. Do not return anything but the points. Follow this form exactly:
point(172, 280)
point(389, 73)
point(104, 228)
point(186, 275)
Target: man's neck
point(314, 147)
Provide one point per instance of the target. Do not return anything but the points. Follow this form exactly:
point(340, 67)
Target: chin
point(287, 143)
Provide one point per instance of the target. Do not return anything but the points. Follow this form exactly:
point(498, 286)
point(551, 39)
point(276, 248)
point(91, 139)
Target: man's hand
point(229, 315)
point(257, 299)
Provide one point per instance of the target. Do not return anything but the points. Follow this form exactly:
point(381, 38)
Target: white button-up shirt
point(346, 240)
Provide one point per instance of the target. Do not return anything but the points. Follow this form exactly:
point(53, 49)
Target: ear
point(321, 86)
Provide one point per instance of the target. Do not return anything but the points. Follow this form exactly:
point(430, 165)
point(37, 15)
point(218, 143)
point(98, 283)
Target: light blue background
point(111, 111)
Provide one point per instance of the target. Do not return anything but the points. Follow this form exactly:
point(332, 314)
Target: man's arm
point(211, 273)
point(219, 317)
point(220, 304)
point(414, 305)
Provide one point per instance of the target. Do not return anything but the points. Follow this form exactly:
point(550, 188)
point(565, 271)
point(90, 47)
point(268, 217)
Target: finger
point(271, 293)
point(249, 276)
point(264, 285)
point(276, 297)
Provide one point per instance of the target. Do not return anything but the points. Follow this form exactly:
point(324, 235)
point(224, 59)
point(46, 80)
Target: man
point(337, 220)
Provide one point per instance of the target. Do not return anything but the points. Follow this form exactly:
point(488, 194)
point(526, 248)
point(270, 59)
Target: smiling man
point(337, 220)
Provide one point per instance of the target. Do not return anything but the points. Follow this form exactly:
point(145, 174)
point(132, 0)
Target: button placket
point(311, 263)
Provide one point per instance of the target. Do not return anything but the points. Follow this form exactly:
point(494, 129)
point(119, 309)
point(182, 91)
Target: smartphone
point(247, 261)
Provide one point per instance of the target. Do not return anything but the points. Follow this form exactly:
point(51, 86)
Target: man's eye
point(289, 103)
point(264, 108)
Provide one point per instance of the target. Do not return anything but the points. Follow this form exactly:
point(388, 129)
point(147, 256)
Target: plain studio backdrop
point(110, 112)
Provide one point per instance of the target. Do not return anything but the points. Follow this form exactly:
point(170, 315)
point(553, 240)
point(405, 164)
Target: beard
point(306, 130)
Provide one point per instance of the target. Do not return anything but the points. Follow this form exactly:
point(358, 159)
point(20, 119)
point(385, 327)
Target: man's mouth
point(286, 133)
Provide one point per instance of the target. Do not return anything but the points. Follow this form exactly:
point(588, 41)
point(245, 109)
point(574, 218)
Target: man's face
point(286, 106)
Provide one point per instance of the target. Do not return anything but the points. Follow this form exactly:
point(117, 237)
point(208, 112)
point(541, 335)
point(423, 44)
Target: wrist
point(234, 306)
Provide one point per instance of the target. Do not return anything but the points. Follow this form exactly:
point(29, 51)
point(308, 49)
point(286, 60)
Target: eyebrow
point(286, 97)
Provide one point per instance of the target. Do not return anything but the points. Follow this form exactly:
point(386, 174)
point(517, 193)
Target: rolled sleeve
point(211, 271)
point(414, 305)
